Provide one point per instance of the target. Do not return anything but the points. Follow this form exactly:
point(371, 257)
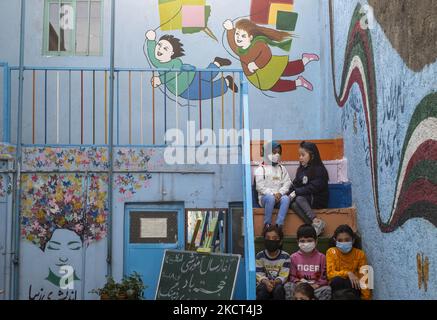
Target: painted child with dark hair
point(63, 248)
point(272, 266)
point(191, 85)
point(308, 266)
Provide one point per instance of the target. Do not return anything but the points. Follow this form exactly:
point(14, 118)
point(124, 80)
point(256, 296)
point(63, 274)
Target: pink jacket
point(311, 267)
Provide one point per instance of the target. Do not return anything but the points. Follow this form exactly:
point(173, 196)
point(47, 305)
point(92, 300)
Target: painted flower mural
point(72, 201)
point(4, 188)
point(84, 158)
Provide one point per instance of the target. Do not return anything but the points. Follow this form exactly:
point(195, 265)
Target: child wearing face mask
point(344, 261)
point(309, 189)
point(272, 267)
point(272, 184)
point(308, 265)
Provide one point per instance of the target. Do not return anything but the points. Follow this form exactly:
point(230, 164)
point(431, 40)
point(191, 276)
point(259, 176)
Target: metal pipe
point(157, 146)
point(114, 171)
point(249, 250)
point(69, 107)
point(17, 177)
point(38, 68)
point(45, 107)
point(6, 104)
point(111, 139)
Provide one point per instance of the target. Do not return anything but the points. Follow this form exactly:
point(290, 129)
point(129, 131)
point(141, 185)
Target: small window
point(73, 27)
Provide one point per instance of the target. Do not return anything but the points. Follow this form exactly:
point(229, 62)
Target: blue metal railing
point(6, 108)
point(249, 239)
point(53, 86)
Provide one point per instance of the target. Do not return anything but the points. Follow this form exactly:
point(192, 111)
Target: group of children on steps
point(307, 274)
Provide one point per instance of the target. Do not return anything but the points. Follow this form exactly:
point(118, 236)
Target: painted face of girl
point(164, 51)
point(304, 157)
point(242, 38)
point(63, 249)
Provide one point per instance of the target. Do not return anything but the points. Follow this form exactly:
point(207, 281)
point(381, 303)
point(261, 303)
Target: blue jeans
point(268, 202)
point(210, 88)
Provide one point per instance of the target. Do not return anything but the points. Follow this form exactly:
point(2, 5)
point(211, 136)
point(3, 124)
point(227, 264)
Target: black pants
point(278, 292)
point(341, 284)
point(302, 207)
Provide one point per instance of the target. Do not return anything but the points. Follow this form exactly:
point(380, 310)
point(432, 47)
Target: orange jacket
point(339, 264)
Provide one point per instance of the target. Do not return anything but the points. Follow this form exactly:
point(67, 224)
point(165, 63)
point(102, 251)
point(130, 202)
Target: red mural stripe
point(426, 151)
point(421, 190)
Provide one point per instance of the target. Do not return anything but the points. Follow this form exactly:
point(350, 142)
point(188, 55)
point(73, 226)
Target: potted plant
point(134, 286)
point(131, 287)
point(109, 291)
point(122, 291)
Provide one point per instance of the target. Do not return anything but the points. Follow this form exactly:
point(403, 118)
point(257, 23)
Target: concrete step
point(340, 196)
point(337, 169)
point(332, 217)
point(330, 149)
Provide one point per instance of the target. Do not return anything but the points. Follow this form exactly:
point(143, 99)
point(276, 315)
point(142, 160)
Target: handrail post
point(249, 249)
point(17, 176)
point(111, 141)
point(6, 103)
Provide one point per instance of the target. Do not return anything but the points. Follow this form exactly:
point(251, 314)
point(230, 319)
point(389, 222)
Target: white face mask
point(307, 247)
point(275, 158)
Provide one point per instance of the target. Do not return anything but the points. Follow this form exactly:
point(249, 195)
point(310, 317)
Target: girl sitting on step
point(309, 189)
point(272, 183)
point(345, 262)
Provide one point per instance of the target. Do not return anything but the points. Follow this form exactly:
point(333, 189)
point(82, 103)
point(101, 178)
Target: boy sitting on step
point(272, 266)
point(272, 184)
point(308, 265)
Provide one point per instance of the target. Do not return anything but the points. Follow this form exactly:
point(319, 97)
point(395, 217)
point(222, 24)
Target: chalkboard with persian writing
point(188, 275)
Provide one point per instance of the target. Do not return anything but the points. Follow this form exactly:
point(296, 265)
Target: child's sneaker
point(266, 226)
point(319, 225)
point(231, 84)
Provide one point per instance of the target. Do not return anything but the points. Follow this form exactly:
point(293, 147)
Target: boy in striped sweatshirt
point(272, 266)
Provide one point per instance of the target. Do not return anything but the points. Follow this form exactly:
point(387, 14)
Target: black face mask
point(272, 245)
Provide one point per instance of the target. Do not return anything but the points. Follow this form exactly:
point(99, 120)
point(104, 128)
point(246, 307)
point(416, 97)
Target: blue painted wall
point(399, 90)
point(294, 115)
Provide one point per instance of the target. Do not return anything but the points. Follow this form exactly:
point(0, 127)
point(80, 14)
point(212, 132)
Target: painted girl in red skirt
point(252, 43)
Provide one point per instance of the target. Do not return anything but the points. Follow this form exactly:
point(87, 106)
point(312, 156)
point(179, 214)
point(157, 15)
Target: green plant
point(109, 291)
point(131, 287)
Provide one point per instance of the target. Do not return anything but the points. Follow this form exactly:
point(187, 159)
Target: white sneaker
point(319, 225)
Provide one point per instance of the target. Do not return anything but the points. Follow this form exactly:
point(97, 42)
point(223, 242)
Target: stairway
point(340, 209)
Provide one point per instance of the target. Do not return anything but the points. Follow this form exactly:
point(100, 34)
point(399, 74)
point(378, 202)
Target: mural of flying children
point(252, 43)
point(166, 52)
